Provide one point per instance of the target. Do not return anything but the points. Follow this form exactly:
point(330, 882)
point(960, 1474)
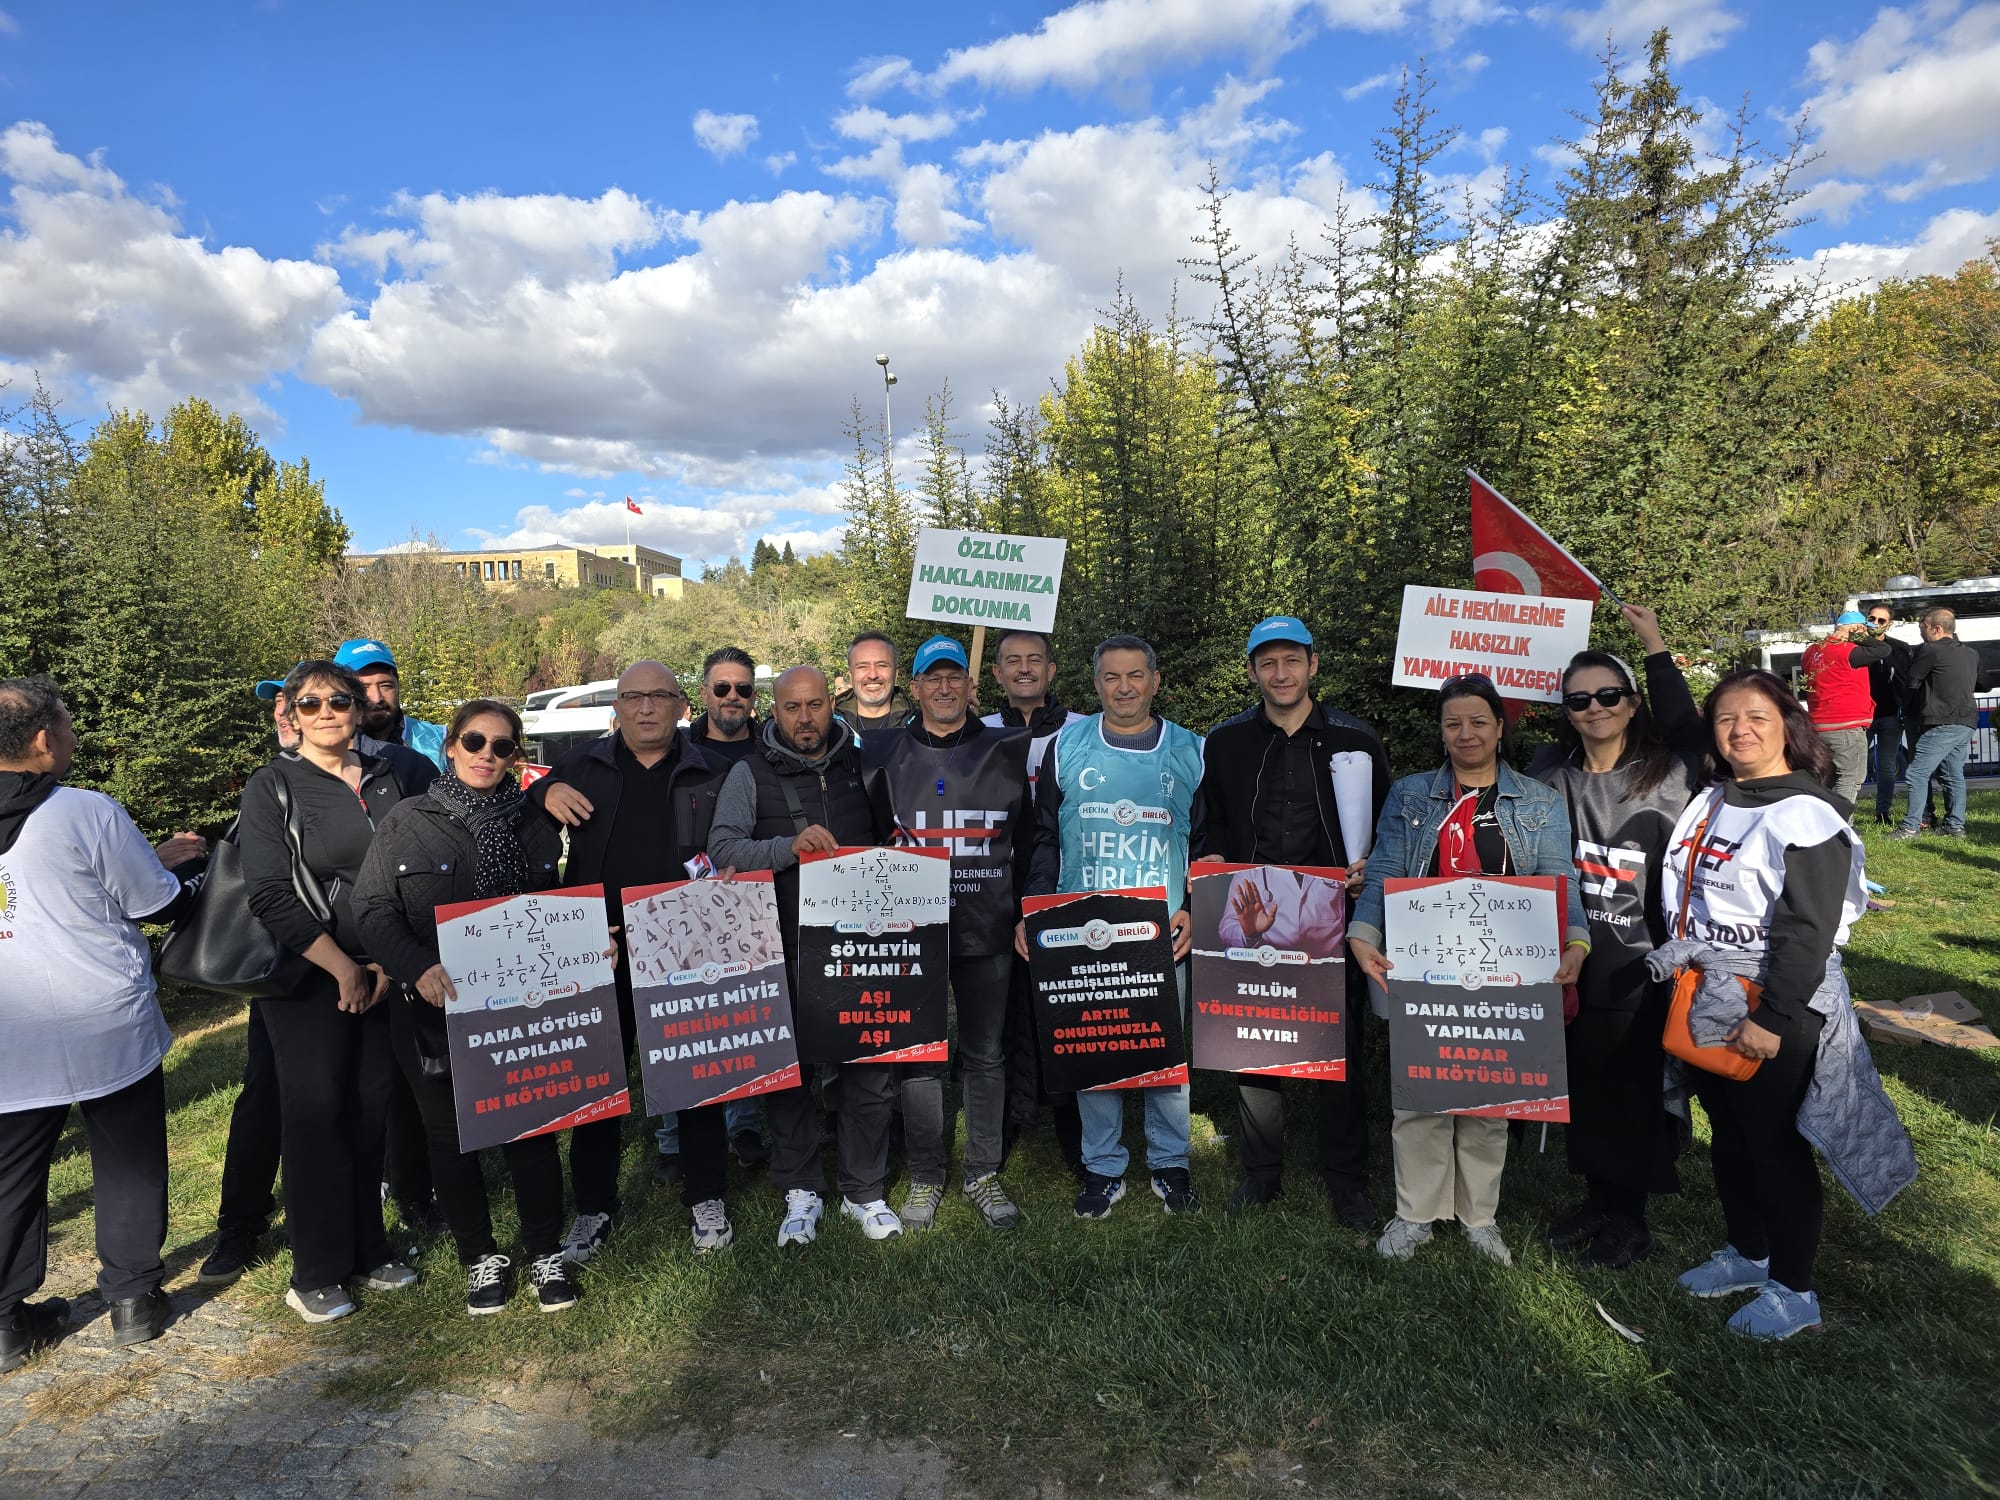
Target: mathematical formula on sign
point(875, 890)
point(1473, 932)
point(526, 951)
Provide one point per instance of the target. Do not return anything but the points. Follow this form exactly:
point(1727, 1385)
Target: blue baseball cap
point(1851, 617)
point(1279, 628)
point(270, 687)
point(937, 650)
point(358, 656)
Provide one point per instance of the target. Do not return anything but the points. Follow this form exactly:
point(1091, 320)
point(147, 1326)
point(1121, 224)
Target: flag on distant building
point(633, 506)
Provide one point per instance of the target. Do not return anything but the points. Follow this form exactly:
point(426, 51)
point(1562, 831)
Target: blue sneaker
point(1777, 1313)
point(1725, 1273)
point(1098, 1194)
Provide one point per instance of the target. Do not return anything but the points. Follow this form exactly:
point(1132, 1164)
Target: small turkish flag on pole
point(1512, 555)
point(633, 506)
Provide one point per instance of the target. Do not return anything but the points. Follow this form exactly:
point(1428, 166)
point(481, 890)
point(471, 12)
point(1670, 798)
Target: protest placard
point(1475, 1014)
point(874, 935)
point(1107, 1005)
point(709, 991)
point(534, 1033)
point(986, 578)
point(1270, 971)
point(1522, 643)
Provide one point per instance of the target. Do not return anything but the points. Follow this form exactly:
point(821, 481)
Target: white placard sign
point(876, 890)
point(1473, 933)
point(986, 578)
point(1521, 641)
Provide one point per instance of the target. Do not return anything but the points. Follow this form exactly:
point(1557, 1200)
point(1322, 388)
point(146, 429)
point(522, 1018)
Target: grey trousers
point(1850, 761)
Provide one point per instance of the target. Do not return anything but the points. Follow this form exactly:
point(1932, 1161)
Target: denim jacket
point(1533, 819)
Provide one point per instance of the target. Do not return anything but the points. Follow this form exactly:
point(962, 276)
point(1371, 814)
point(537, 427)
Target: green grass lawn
point(1240, 1353)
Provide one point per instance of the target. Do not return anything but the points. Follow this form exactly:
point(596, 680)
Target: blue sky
point(492, 271)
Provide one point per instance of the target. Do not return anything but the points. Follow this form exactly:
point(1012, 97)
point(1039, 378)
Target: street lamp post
point(888, 432)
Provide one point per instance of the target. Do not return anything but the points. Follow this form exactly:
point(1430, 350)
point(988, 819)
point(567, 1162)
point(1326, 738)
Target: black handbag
point(221, 945)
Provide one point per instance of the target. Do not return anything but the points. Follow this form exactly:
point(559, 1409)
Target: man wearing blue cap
point(1267, 797)
point(1841, 700)
point(383, 718)
point(956, 783)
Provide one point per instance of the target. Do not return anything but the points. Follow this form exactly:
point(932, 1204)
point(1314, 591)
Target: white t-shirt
point(1038, 746)
point(78, 1013)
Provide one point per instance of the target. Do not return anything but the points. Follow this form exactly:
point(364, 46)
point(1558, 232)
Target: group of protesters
point(1705, 838)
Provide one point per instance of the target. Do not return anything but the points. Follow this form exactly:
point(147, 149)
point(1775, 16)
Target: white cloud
point(1833, 200)
point(924, 215)
point(803, 543)
point(1367, 85)
point(776, 163)
point(102, 291)
point(1948, 241)
point(1916, 90)
point(724, 135)
point(8, 25)
point(1105, 41)
point(727, 522)
point(1698, 26)
point(877, 75)
point(866, 123)
point(485, 241)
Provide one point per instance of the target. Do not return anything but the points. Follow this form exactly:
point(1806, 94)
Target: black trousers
point(596, 1149)
point(127, 1131)
point(867, 1096)
point(250, 1159)
point(1025, 1091)
point(334, 1076)
point(1620, 1138)
point(1765, 1173)
point(1342, 1153)
point(535, 1164)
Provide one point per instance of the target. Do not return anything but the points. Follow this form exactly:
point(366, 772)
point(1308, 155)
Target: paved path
point(226, 1405)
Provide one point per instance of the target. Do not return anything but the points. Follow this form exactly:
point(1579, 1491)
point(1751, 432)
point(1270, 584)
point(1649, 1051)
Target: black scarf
point(21, 792)
point(494, 818)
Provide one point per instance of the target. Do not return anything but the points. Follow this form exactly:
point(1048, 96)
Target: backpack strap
point(792, 805)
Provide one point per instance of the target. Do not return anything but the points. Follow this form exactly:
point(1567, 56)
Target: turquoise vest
point(1126, 815)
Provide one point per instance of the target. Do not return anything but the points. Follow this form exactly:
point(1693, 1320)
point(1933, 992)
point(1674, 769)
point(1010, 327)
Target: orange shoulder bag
point(1679, 1039)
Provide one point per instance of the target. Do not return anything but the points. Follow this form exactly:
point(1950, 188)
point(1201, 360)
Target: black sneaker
point(1621, 1242)
point(1253, 1192)
point(232, 1256)
point(666, 1169)
point(489, 1282)
point(1577, 1229)
point(1352, 1208)
point(137, 1320)
point(554, 1288)
point(35, 1325)
point(1098, 1194)
point(1173, 1187)
point(748, 1147)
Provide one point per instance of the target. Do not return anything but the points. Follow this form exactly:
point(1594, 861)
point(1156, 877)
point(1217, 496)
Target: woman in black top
point(330, 1039)
point(473, 835)
point(1625, 772)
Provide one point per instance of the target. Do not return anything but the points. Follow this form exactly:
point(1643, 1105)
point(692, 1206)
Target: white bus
point(557, 719)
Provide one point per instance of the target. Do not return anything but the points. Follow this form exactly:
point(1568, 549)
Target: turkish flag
point(1512, 555)
point(633, 506)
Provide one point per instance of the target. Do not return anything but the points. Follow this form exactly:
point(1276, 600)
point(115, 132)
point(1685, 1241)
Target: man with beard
point(954, 782)
point(726, 729)
point(874, 703)
point(1267, 798)
point(382, 717)
point(804, 794)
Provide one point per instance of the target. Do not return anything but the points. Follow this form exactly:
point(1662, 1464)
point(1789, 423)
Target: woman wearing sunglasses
point(1473, 815)
point(1625, 772)
point(330, 1039)
point(472, 836)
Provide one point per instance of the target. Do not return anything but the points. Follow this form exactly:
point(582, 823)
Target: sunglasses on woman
point(1608, 697)
point(504, 747)
point(312, 703)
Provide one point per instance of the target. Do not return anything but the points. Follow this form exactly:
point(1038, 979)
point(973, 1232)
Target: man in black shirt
point(638, 804)
point(1266, 797)
point(1944, 675)
point(874, 702)
point(1886, 685)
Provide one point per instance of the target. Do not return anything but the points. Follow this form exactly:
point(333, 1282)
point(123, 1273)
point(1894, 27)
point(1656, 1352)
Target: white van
point(557, 719)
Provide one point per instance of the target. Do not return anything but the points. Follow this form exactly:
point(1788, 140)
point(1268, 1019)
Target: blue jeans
point(740, 1115)
point(1103, 1112)
point(1891, 755)
point(1940, 749)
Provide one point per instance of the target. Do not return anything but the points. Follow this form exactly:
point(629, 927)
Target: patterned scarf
point(493, 817)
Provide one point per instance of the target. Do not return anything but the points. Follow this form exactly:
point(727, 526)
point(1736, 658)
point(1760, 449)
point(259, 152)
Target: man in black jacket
point(1267, 798)
point(1887, 687)
point(1944, 675)
point(804, 794)
point(638, 804)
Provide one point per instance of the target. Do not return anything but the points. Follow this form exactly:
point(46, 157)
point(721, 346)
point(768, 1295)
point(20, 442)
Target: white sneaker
point(1400, 1240)
point(1486, 1240)
point(877, 1220)
point(587, 1234)
point(800, 1226)
point(711, 1226)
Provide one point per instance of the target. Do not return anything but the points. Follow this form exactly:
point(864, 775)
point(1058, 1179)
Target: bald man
point(802, 792)
point(638, 804)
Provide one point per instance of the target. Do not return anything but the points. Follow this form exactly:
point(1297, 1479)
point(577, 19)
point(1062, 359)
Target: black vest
point(832, 797)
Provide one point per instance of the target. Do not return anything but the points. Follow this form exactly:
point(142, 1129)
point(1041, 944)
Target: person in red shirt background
point(1840, 700)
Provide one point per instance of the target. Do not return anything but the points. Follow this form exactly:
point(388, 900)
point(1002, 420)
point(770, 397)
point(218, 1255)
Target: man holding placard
point(955, 783)
point(1115, 810)
point(1269, 796)
point(803, 794)
point(637, 804)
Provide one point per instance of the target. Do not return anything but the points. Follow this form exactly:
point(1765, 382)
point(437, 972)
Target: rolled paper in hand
point(1354, 799)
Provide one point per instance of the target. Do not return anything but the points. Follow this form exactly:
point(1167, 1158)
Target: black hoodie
point(21, 792)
